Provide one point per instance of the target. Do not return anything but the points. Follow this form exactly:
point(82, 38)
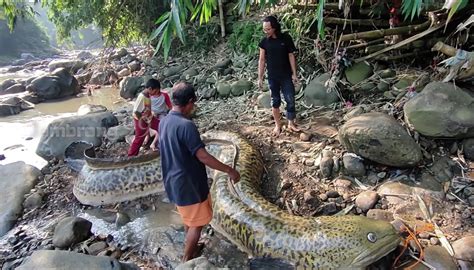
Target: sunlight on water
point(20, 134)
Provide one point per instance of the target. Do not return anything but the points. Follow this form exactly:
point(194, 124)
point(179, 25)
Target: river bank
point(312, 173)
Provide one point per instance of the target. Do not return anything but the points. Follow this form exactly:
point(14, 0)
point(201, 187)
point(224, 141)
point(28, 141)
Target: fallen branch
point(387, 32)
point(397, 57)
point(428, 31)
point(357, 22)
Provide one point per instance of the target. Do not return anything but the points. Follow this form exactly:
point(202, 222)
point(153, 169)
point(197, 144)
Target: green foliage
point(202, 36)
point(245, 37)
point(412, 8)
point(10, 10)
point(121, 21)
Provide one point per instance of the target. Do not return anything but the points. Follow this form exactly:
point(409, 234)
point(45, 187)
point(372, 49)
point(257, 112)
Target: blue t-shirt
point(185, 177)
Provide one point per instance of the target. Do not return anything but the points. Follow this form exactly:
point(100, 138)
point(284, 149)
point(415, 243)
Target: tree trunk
point(221, 18)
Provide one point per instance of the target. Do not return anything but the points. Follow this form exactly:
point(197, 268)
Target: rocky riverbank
point(386, 144)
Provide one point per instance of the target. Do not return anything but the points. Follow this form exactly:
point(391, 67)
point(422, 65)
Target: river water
point(20, 133)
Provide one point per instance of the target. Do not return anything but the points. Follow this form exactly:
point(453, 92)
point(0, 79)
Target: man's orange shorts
point(198, 214)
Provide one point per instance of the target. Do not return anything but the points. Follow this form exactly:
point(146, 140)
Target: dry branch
point(410, 29)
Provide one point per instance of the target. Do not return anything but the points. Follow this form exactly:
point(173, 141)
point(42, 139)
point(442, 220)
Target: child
point(142, 115)
point(160, 105)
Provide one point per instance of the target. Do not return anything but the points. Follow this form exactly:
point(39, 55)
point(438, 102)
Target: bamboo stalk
point(430, 30)
point(365, 44)
point(398, 57)
point(357, 22)
point(221, 18)
point(410, 29)
point(444, 48)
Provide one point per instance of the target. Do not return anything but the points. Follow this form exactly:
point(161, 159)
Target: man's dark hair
point(183, 93)
point(153, 84)
point(274, 23)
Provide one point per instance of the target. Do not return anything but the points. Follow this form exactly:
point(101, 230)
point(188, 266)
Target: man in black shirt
point(277, 52)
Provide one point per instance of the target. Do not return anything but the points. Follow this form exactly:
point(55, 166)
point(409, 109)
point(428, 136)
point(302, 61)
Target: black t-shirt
point(276, 55)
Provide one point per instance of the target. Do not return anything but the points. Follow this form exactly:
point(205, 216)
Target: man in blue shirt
point(183, 160)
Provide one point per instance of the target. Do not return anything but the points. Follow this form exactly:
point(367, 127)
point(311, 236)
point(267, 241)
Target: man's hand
point(295, 79)
point(260, 84)
point(234, 175)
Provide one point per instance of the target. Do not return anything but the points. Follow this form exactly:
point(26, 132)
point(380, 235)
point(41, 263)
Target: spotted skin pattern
point(256, 226)
point(103, 181)
point(263, 230)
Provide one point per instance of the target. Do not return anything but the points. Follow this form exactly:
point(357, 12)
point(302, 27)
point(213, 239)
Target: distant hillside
point(27, 37)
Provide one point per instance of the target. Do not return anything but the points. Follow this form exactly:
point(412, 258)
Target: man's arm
point(261, 67)
point(210, 161)
point(292, 58)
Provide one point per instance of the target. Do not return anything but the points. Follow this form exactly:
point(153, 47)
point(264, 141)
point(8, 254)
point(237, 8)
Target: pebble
point(309, 162)
point(305, 137)
point(424, 235)
point(310, 197)
point(434, 241)
point(332, 194)
point(323, 197)
point(366, 200)
point(471, 200)
point(380, 214)
point(330, 208)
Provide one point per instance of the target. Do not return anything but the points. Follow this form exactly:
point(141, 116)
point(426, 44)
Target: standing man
point(277, 52)
point(143, 119)
point(183, 160)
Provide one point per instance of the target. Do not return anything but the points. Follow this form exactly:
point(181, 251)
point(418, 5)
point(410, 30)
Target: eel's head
point(378, 238)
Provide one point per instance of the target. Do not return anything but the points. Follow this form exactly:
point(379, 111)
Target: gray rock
point(90, 108)
point(239, 87)
point(190, 73)
point(386, 73)
point(358, 72)
point(96, 248)
point(353, 112)
point(16, 88)
point(32, 98)
point(71, 65)
point(319, 95)
point(439, 258)
point(118, 133)
point(16, 180)
point(353, 165)
point(34, 200)
point(441, 110)
point(468, 148)
point(366, 200)
point(168, 242)
point(197, 263)
point(66, 260)
point(223, 89)
point(173, 70)
point(7, 109)
point(124, 72)
point(6, 84)
point(70, 231)
point(380, 214)
point(84, 78)
point(394, 192)
point(222, 64)
point(84, 55)
point(342, 185)
point(121, 219)
point(58, 84)
point(264, 100)
point(383, 86)
point(62, 132)
point(379, 137)
point(130, 87)
point(99, 77)
point(134, 66)
point(464, 252)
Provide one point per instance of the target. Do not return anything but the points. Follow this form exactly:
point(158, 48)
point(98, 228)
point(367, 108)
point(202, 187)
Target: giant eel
point(243, 215)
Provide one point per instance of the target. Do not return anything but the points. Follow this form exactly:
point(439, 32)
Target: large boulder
point(58, 84)
point(65, 260)
point(317, 94)
point(62, 132)
point(16, 180)
point(90, 108)
point(71, 65)
point(380, 138)
point(442, 110)
point(7, 109)
point(130, 87)
point(6, 84)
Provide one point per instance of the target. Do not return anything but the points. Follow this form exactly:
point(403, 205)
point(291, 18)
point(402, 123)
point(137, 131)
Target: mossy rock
point(240, 87)
point(358, 72)
point(317, 94)
point(264, 100)
point(223, 89)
